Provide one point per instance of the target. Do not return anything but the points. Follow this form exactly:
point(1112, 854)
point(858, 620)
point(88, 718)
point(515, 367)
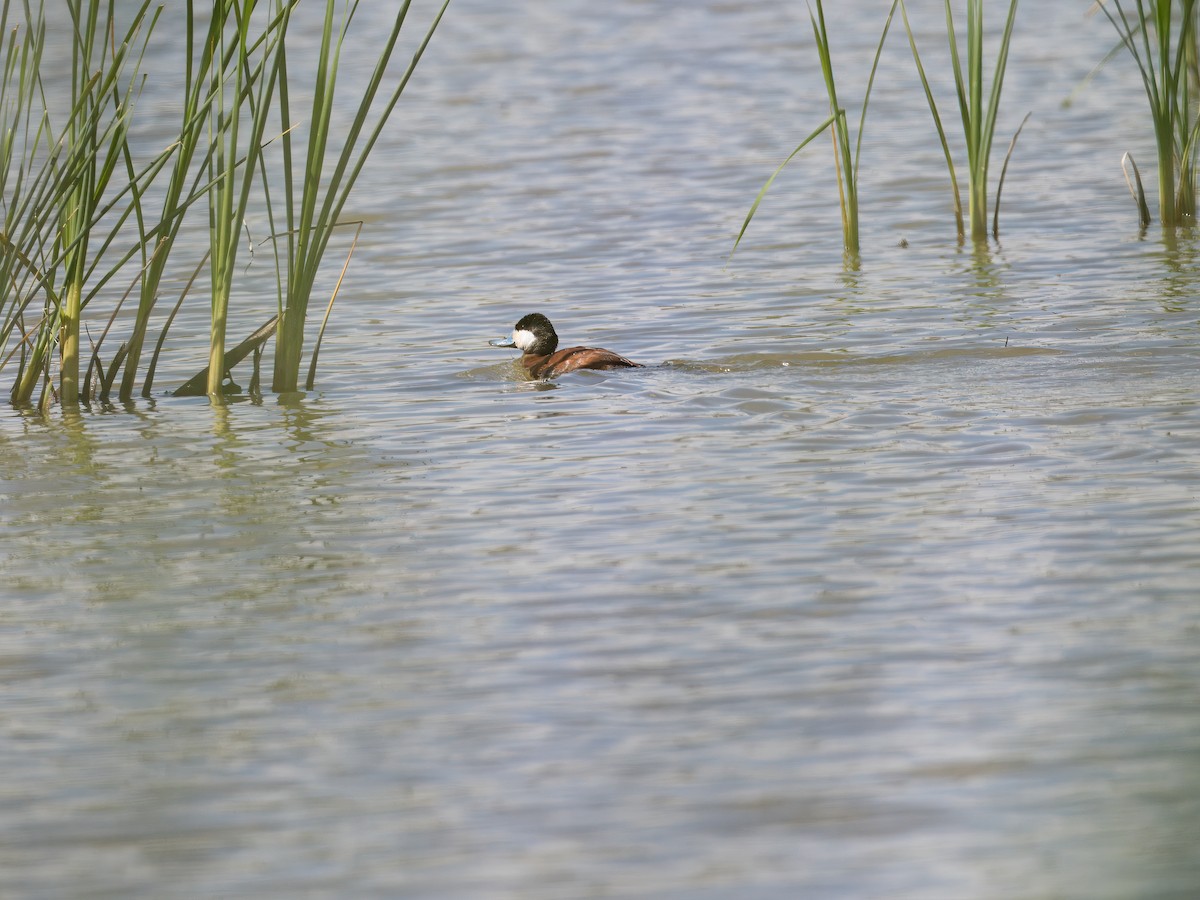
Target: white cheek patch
point(523, 339)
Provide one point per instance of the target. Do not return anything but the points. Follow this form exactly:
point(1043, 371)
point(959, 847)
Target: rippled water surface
point(877, 582)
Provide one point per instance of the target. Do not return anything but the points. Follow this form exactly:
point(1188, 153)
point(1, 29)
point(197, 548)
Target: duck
point(537, 340)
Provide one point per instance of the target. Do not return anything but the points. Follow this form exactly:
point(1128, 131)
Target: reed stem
point(255, 61)
point(977, 112)
point(312, 212)
point(845, 162)
point(1161, 37)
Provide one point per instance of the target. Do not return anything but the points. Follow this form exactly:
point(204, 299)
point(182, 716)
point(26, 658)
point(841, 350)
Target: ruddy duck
point(536, 338)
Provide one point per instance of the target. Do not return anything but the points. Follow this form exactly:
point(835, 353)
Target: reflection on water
point(882, 583)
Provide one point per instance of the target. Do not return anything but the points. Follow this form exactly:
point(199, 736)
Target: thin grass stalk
point(22, 59)
point(121, 203)
point(148, 381)
point(27, 223)
point(106, 382)
point(762, 192)
point(847, 189)
point(937, 122)
point(973, 113)
point(199, 60)
point(21, 56)
point(847, 201)
point(234, 163)
point(993, 107)
point(223, 239)
point(1165, 88)
point(1184, 118)
point(1137, 189)
point(1186, 193)
point(30, 339)
point(76, 210)
point(1012, 145)
point(312, 364)
point(862, 119)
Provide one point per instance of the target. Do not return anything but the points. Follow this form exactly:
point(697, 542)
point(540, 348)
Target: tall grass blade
point(148, 383)
point(846, 154)
point(844, 165)
point(1137, 189)
point(62, 213)
point(862, 119)
point(312, 216)
point(978, 116)
point(1012, 145)
point(99, 138)
point(233, 164)
point(937, 122)
point(183, 186)
point(95, 363)
point(312, 365)
point(762, 192)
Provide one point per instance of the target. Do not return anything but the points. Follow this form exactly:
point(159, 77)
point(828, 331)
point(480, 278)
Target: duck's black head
point(533, 335)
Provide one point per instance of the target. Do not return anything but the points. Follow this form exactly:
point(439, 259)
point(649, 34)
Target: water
point(883, 584)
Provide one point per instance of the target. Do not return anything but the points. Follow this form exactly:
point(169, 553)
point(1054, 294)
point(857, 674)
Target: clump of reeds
point(75, 214)
point(63, 212)
point(1161, 36)
point(977, 107)
point(845, 161)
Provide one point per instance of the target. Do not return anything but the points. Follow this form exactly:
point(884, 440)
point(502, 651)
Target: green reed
point(61, 218)
point(23, 140)
point(97, 134)
point(238, 120)
point(845, 162)
point(977, 107)
point(1161, 37)
point(332, 162)
point(76, 194)
point(183, 177)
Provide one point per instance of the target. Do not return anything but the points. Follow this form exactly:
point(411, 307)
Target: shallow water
point(875, 583)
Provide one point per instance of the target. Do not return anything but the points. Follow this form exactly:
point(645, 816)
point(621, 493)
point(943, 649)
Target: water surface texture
point(878, 582)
